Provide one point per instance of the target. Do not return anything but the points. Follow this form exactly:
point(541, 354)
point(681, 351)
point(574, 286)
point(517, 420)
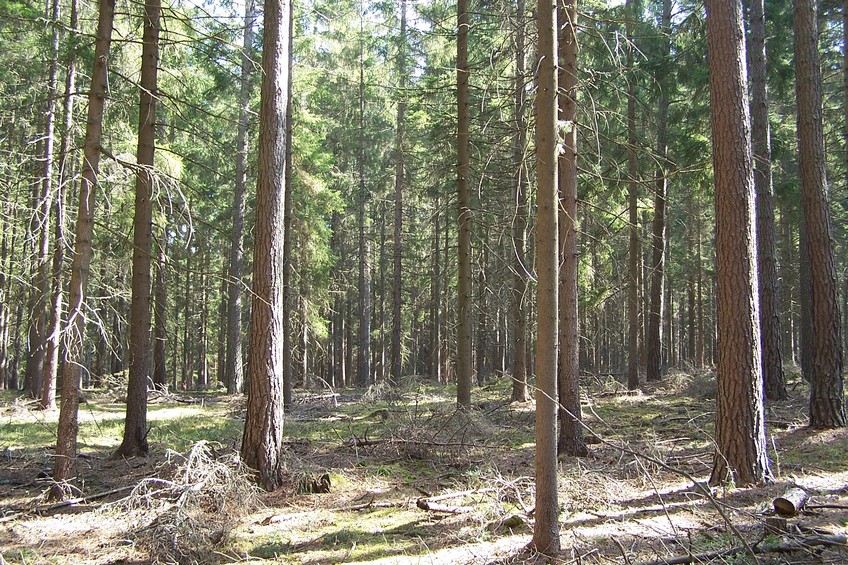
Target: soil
point(387, 455)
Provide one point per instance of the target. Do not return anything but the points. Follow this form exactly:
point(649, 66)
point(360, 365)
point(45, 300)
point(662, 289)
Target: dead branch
point(356, 441)
point(425, 504)
point(47, 508)
point(450, 495)
point(431, 503)
point(826, 507)
point(372, 504)
point(800, 544)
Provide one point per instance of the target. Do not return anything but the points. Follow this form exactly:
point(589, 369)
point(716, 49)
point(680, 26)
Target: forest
point(404, 281)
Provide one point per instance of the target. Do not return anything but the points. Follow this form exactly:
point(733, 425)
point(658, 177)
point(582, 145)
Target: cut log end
point(791, 502)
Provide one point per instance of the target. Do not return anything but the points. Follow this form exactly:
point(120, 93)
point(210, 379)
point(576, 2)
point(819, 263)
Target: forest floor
point(398, 476)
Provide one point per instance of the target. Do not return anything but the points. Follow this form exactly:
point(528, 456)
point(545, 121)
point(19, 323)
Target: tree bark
point(288, 303)
point(826, 395)
point(160, 312)
point(740, 421)
point(463, 290)
point(364, 353)
point(571, 431)
point(634, 249)
point(435, 300)
point(66, 443)
point(773, 377)
point(263, 428)
point(654, 339)
point(54, 330)
point(135, 425)
point(518, 314)
point(397, 280)
point(41, 336)
point(546, 537)
point(234, 374)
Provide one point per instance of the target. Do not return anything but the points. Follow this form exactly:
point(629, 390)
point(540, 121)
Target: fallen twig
point(65, 503)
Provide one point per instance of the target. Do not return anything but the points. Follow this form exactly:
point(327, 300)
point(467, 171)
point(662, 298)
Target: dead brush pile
point(185, 512)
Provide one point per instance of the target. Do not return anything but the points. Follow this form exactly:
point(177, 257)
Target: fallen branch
point(425, 504)
point(430, 503)
point(65, 503)
point(826, 506)
point(356, 441)
point(786, 547)
point(372, 504)
point(450, 495)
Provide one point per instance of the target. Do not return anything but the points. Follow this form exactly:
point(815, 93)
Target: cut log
point(425, 504)
point(791, 502)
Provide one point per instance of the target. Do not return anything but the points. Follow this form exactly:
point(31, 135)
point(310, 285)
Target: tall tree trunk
point(234, 367)
point(826, 396)
point(699, 278)
point(263, 428)
point(364, 355)
point(546, 538)
point(740, 420)
point(518, 314)
point(435, 300)
point(773, 377)
point(66, 442)
point(654, 344)
point(185, 368)
point(383, 354)
point(288, 377)
point(482, 314)
point(463, 289)
point(5, 227)
point(397, 280)
point(54, 330)
point(203, 322)
point(634, 253)
point(160, 312)
point(44, 204)
point(570, 425)
point(135, 425)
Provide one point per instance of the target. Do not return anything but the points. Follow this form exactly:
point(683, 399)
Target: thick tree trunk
point(826, 396)
point(263, 428)
point(135, 425)
point(740, 420)
point(66, 443)
point(773, 377)
point(546, 538)
point(463, 290)
point(571, 430)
